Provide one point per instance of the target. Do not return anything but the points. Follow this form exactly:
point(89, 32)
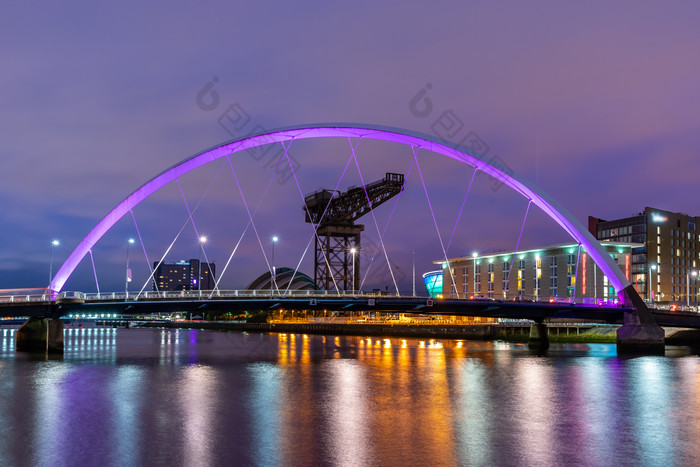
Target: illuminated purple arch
point(549, 206)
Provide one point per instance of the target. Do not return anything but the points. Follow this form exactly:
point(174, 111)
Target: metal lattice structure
point(336, 259)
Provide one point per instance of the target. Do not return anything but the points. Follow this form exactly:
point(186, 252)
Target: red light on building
point(583, 284)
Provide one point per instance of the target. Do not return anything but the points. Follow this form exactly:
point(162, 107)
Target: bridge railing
point(216, 294)
point(24, 298)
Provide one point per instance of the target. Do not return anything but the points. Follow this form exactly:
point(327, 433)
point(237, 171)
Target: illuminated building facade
point(557, 272)
point(433, 282)
point(183, 276)
point(667, 257)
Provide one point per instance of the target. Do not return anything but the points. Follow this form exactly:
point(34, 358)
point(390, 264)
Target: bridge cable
point(151, 277)
point(517, 245)
point(432, 213)
point(196, 232)
point(97, 284)
point(245, 230)
point(459, 215)
point(318, 224)
point(374, 218)
point(252, 222)
point(143, 247)
point(388, 221)
point(306, 208)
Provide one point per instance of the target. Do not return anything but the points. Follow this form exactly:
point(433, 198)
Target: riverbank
point(507, 332)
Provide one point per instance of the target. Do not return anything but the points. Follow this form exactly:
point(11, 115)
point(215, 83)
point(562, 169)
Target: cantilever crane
point(337, 234)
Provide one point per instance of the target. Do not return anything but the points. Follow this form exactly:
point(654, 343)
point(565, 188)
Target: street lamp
point(687, 285)
point(474, 255)
point(273, 283)
point(353, 250)
point(128, 272)
point(414, 272)
point(202, 241)
point(53, 244)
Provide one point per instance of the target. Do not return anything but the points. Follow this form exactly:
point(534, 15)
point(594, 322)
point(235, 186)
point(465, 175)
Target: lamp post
point(353, 250)
point(128, 275)
point(474, 256)
point(202, 241)
point(53, 244)
point(413, 257)
point(652, 267)
point(273, 283)
point(687, 285)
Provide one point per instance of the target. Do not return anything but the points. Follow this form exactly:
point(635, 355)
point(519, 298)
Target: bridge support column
point(539, 336)
point(639, 332)
point(40, 335)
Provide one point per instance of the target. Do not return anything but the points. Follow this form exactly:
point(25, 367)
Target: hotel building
point(667, 257)
point(183, 276)
point(558, 272)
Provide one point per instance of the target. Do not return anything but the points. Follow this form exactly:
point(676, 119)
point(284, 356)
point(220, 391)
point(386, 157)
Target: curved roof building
point(300, 281)
point(433, 282)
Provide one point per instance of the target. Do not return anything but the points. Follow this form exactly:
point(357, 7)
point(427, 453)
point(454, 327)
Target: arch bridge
point(639, 330)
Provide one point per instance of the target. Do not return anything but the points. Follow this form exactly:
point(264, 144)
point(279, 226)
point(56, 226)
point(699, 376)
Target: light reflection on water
point(190, 397)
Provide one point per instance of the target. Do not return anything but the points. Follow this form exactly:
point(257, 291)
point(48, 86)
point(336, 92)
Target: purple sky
point(596, 102)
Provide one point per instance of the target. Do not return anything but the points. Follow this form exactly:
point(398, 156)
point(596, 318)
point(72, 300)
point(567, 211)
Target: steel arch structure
point(344, 130)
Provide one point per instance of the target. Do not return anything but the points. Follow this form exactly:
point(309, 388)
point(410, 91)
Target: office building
point(668, 255)
point(183, 276)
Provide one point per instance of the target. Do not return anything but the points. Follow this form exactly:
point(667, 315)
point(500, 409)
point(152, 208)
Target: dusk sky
point(597, 103)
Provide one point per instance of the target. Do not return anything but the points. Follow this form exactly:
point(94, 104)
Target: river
point(190, 397)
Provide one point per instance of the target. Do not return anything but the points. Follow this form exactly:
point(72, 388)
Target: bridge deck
point(256, 300)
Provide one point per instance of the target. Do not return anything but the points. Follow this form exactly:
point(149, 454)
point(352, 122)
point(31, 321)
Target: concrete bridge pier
point(40, 335)
point(539, 336)
point(639, 333)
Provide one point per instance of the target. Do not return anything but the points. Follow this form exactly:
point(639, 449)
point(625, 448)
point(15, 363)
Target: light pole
point(652, 267)
point(687, 285)
point(353, 250)
point(414, 273)
point(128, 272)
point(53, 244)
point(202, 241)
point(474, 255)
point(273, 283)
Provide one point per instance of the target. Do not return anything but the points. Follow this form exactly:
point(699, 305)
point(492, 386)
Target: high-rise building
point(668, 256)
point(183, 276)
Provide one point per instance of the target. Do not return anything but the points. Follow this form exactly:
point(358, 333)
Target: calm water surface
point(181, 397)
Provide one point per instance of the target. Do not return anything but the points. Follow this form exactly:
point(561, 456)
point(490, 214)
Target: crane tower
point(337, 234)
